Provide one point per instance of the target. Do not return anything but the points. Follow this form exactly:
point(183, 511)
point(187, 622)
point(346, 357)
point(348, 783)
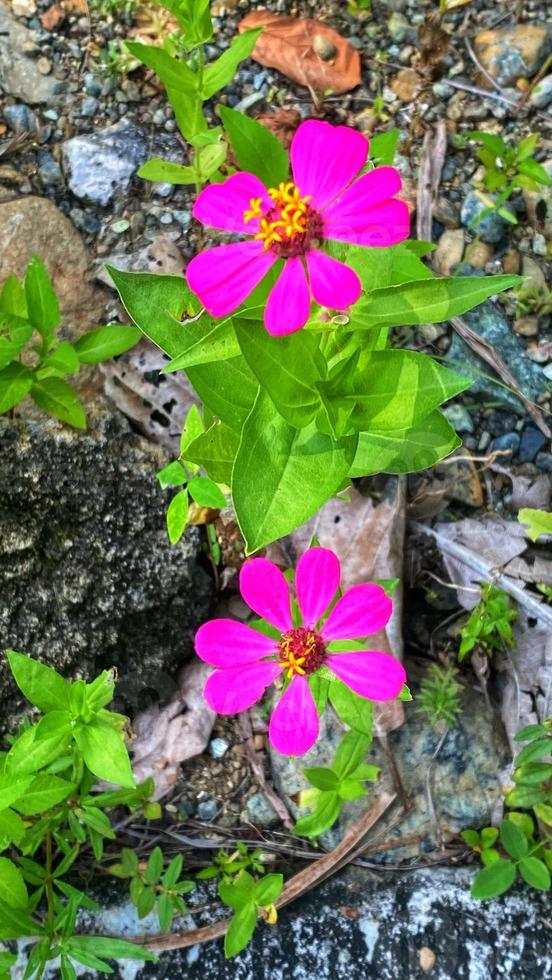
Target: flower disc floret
point(302, 651)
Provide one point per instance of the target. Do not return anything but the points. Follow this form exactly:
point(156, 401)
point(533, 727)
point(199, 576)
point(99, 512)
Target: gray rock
point(491, 228)
point(20, 118)
point(510, 440)
point(511, 53)
point(207, 810)
point(532, 442)
point(89, 106)
point(261, 812)
point(19, 75)
point(89, 579)
point(49, 170)
point(101, 164)
point(459, 417)
point(541, 95)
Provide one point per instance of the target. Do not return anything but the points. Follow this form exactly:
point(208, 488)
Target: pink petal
point(230, 691)
point(288, 306)
point(332, 283)
point(224, 276)
point(373, 675)
point(226, 643)
point(363, 610)
point(325, 159)
point(379, 227)
point(316, 583)
point(266, 591)
point(293, 728)
point(223, 205)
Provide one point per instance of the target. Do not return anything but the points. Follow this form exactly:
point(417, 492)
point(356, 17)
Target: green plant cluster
point(155, 884)
point(488, 627)
point(439, 697)
point(34, 360)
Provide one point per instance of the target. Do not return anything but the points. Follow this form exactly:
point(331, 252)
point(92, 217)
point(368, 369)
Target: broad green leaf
point(16, 381)
point(160, 170)
point(215, 451)
point(513, 840)
point(105, 753)
point(194, 18)
point(426, 301)
point(15, 923)
point(208, 159)
point(535, 873)
point(177, 516)
point(238, 892)
point(12, 298)
point(13, 890)
point(544, 813)
point(43, 793)
point(173, 73)
point(255, 148)
point(538, 522)
point(240, 930)
point(206, 493)
point(105, 342)
point(15, 332)
point(351, 789)
point(220, 72)
point(218, 342)
point(322, 818)
point(7, 960)
point(56, 397)
point(283, 475)
point(112, 949)
point(188, 111)
point(405, 450)
point(227, 388)
point(324, 779)
point(354, 710)
point(173, 475)
point(41, 685)
point(154, 867)
point(12, 788)
point(61, 361)
point(351, 752)
point(531, 731)
point(29, 753)
point(383, 147)
point(494, 880)
point(42, 302)
point(288, 368)
point(268, 889)
point(193, 427)
point(12, 828)
point(533, 751)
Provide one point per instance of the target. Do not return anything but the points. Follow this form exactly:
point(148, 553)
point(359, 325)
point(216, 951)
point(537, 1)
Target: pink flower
point(291, 222)
point(248, 661)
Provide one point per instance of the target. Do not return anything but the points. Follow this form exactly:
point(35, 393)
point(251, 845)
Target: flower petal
point(363, 610)
point(373, 675)
point(226, 643)
point(325, 159)
point(288, 306)
point(229, 691)
point(316, 583)
point(386, 224)
point(293, 728)
point(332, 283)
point(266, 591)
point(223, 205)
point(224, 276)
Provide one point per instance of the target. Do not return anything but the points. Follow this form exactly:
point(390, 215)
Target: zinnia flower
point(248, 661)
point(291, 222)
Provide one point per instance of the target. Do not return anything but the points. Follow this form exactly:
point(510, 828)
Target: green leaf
point(15, 333)
point(63, 360)
point(217, 342)
point(206, 493)
point(351, 752)
point(105, 753)
point(427, 301)
point(255, 148)
point(207, 160)
point(351, 789)
point(535, 873)
point(173, 73)
point(530, 731)
point(215, 451)
point(354, 710)
point(12, 828)
point(238, 892)
point(220, 72)
point(494, 880)
point(41, 685)
point(165, 912)
point(42, 302)
point(282, 475)
point(68, 971)
point(12, 298)
point(29, 753)
point(512, 839)
point(7, 960)
point(14, 923)
point(104, 343)
point(44, 793)
point(112, 949)
point(56, 397)
point(538, 522)
point(240, 930)
point(154, 867)
point(535, 750)
point(194, 18)
point(322, 818)
point(173, 475)
point(177, 516)
point(268, 889)
point(173, 872)
point(324, 779)
point(13, 889)
point(544, 812)
point(405, 450)
point(383, 147)
point(227, 388)
point(288, 368)
point(16, 381)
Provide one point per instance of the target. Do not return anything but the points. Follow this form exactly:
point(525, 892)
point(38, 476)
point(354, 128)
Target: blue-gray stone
point(88, 106)
point(510, 440)
point(101, 164)
point(207, 810)
point(20, 118)
point(491, 228)
point(49, 170)
point(532, 441)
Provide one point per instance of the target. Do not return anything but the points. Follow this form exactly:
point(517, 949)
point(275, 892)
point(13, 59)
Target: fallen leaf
point(434, 43)
point(525, 677)
point(167, 737)
point(282, 123)
point(53, 17)
point(306, 51)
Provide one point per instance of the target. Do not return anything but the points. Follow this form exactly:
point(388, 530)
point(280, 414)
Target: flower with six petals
point(322, 201)
point(248, 661)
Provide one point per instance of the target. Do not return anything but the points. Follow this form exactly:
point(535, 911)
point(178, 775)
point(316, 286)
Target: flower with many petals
point(323, 200)
point(247, 661)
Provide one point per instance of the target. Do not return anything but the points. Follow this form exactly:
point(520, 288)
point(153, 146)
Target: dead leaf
point(407, 84)
point(306, 51)
point(167, 737)
point(282, 123)
point(525, 677)
point(434, 43)
point(452, 479)
point(54, 16)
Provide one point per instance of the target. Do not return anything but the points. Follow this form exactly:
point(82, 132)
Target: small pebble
point(89, 106)
point(510, 440)
point(44, 66)
point(207, 810)
point(218, 747)
point(120, 226)
point(539, 245)
point(532, 442)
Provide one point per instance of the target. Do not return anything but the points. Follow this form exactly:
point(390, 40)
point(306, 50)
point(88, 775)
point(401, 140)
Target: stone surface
point(100, 164)
point(34, 225)
point(89, 579)
point(541, 95)
point(510, 53)
point(491, 228)
point(18, 73)
point(449, 251)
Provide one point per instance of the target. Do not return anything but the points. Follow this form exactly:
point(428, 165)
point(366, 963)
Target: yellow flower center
point(302, 651)
point(289, 226)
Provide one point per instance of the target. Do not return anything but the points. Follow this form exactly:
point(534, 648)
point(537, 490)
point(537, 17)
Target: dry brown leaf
point(282, 123)
point(434, 43)
point(54, 16)
point(167, 737)
point(306, 51)
point(525, 678)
